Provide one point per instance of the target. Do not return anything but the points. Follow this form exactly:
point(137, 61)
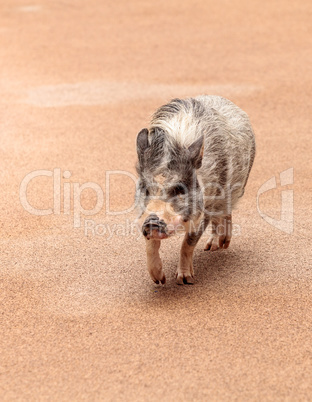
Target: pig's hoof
point(162, 280)
point(212, 244)
point(224, 241)
point(184, 278)
point(158, 277)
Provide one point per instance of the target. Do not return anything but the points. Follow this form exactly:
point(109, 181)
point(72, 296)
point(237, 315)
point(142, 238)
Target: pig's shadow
point(212, 271)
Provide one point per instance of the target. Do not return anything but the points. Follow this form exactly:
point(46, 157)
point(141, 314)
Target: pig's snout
point(155, 228)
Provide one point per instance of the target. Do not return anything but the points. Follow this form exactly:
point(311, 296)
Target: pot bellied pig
point(193, 164)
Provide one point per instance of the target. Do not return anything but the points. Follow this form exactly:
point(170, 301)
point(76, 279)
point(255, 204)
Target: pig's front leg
point(154, 264)
point(185, 272)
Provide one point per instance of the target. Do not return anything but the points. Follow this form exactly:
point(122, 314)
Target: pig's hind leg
point(154, 264)
point(221, 233)
point(213, 242)
point(185, 272)
point(225, 234)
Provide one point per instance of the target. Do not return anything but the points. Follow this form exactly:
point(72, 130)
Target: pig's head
point(168, 194)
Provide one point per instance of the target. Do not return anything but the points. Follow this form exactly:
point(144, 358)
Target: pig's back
point(185, 120)
point(229, 145)
point(235, 117)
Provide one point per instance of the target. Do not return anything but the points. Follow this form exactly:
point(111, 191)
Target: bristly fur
point(194, 162)
point(228, 149)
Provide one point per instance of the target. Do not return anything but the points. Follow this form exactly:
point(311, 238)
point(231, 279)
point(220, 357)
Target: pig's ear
point(142, 142)
point(158, 139)
point(196, 151)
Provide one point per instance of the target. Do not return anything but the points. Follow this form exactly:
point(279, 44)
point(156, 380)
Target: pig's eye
point(143, 189)
point(177, 190)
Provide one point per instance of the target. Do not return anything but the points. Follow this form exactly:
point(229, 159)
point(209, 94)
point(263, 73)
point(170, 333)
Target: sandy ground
point(80, 318)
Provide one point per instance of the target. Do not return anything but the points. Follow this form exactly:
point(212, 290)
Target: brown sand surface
point(80, 317)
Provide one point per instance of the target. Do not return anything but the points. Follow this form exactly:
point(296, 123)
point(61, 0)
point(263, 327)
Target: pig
point(193, 164)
